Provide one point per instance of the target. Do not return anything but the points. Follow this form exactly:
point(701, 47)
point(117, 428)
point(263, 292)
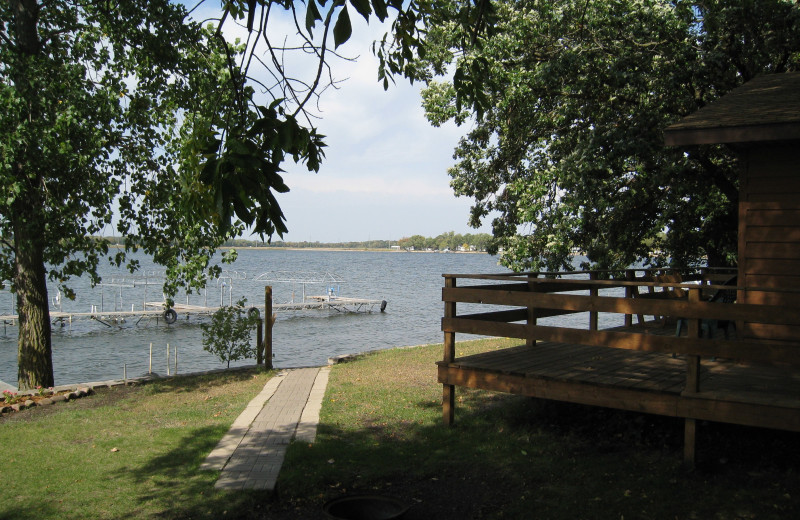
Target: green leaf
point(363, 7)
point(312, 15)
point(343, 28)
point(380, 9)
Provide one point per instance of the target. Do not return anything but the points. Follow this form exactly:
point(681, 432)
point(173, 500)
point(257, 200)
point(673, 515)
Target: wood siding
point(769, 233)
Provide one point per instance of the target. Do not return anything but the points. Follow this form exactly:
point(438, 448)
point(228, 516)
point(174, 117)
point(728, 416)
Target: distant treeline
point(449, 241)
point(370, 244)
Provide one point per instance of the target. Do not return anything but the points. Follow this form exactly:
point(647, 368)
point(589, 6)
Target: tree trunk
point(35, 358)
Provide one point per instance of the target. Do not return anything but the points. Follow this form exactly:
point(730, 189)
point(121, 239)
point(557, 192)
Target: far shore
point(346, 249)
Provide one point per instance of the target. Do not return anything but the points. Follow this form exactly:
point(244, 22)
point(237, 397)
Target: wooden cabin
point(745, 372)
point(761, 120)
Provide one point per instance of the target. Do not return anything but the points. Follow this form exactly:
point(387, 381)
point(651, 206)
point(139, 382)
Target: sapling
point(228, 336)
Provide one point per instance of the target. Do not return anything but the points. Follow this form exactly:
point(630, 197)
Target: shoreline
point(345, 249)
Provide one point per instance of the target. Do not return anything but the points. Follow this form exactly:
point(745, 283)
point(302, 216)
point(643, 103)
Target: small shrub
point(228, 336)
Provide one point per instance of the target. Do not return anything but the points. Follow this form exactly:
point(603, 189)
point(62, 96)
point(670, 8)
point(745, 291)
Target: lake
point(411, 284)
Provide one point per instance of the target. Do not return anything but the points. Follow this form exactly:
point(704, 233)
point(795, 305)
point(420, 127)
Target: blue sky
point(385, 172)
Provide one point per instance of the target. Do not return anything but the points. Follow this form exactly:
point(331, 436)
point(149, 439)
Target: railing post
point(630, 274)
point(692, 385)
point(532, 287)
point(449, 391)
point(594, 293)
point(693, 361)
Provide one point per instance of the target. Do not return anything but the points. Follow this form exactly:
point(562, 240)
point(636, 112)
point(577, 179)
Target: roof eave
point(732, 134)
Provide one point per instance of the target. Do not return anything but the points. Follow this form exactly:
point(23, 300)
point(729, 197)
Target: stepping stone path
point(250, 455)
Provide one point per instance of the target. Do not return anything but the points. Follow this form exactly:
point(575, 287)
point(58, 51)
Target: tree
point(228, 335)
point(568, 100)
point(133, 114)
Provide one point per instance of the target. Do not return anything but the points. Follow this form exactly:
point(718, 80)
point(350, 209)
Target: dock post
point(260, 342)
point(269, 321)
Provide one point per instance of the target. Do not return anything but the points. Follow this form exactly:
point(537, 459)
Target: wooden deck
point(740, 380)
point(645, 382)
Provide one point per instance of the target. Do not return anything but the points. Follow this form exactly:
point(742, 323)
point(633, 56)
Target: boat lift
point(331, 299)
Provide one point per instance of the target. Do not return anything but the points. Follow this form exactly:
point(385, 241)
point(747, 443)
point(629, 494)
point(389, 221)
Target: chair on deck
point(710, 327)
point(667, 293)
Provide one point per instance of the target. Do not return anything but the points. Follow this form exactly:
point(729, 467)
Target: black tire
point(253, 312)
point(170, 316)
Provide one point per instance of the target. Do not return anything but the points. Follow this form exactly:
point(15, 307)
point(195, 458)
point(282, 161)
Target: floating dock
point(157, 310)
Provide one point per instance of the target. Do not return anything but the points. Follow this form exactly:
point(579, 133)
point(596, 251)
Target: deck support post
point(689, 442)
point(449, 391)
point(448, 404)
point(692, 387)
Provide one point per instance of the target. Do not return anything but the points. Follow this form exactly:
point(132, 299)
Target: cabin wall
point(769, 230)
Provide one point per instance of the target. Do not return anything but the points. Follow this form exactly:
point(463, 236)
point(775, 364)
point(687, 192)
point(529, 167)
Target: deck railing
point(516, 304)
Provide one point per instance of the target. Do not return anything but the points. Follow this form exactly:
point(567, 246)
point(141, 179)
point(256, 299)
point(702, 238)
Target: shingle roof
point(766, 108)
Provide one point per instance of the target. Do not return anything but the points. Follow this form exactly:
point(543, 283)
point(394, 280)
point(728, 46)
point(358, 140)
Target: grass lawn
point(381, 432)
point(126, 452)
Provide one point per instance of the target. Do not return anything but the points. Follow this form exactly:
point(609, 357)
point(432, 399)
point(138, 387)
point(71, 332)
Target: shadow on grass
point(174, 484)
point(507, 456)
point(27, 510)
point(513, 457)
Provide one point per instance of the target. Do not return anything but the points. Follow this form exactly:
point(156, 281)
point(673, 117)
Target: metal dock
point(332, 300)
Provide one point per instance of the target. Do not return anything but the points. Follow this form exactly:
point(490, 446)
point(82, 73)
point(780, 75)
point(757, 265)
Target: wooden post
point(594, 293)
point(689, 442)
point(532, 287)
point(630, 274)
point(693, 362)
point(692, 386)
point(260, 342)
point(449, 391)
point(269, 321)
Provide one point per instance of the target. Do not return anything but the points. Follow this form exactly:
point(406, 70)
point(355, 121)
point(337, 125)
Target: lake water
point(411, 283)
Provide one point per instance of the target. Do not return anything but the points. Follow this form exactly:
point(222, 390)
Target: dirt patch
point(98, 397)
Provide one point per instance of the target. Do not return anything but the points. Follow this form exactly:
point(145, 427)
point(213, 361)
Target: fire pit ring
point(365, 507)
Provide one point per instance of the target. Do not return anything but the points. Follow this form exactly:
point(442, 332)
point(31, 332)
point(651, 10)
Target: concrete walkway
point(250, 455)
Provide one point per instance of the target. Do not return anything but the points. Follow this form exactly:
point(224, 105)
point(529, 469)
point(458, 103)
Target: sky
point(385, 171)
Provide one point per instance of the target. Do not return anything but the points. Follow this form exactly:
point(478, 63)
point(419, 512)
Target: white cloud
point(385, 171)
point(370, 185)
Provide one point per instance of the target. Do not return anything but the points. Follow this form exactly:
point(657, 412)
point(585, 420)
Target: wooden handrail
point(553, 297)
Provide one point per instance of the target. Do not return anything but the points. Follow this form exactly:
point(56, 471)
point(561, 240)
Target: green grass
point(123, 453)
point(513, 457)
point(381, 432)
